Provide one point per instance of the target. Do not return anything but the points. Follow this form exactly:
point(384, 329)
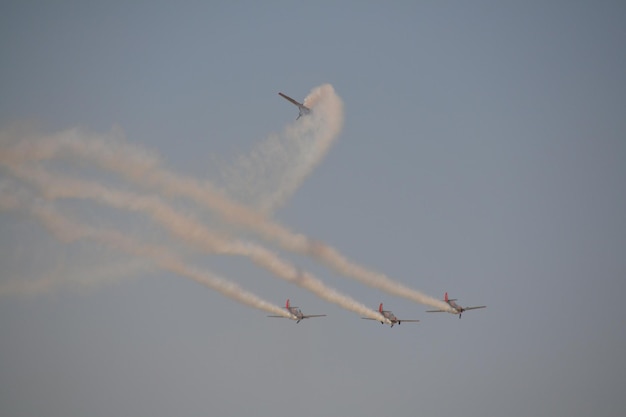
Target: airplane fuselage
point(456, 309)
point(391, 317)
point(297, 313)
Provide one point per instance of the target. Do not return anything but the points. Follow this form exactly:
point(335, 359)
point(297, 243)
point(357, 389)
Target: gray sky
point(483, 153)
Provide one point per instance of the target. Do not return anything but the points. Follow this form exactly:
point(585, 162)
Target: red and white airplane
point(304, 110)
point(389, 316)
point(296, 313)
point(456, 309)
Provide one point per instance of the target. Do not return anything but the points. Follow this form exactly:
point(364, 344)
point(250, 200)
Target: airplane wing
point(367, 318)
point(409, 321)
point(474, 308)
point(286, 97)
point(314, 315)
point(278, 317)
point(436, 311)
point(303, 110)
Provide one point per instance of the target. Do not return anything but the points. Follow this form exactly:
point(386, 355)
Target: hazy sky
point(483, 153)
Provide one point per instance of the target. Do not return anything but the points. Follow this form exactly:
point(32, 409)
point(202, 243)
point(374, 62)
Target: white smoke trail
point(76, 278)
point(186, 229)
point(141, 167)
point(275, 169)
point(66, 230)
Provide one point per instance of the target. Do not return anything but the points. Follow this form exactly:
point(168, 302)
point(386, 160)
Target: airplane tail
point(446, 299)
point(380, 308)
point(287, 304)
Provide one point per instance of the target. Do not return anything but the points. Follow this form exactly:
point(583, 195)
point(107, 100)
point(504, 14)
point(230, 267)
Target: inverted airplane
point(296, 313)
point(456, 309)
point(392, 319)
point(304, 110)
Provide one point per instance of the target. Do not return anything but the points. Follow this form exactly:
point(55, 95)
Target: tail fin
point(287, 304)
point(380, 308)
point(445, 297)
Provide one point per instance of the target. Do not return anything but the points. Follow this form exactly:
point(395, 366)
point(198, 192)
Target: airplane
point(304, 110)
point(456, 309)
point(392, 319)
point(296, 313)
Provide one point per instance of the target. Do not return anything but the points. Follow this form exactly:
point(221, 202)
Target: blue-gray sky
point(483, 153)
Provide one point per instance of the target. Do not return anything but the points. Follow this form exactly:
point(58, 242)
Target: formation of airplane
point(304, 110)
point(297, 313)
point(389, 316)
point(456, 309)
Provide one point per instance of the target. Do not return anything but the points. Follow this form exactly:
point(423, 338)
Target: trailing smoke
point(276, 168)
point(67, 230)
point(135, 164)
point(185, 229)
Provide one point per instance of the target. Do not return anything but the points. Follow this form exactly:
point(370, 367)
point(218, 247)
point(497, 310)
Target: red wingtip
point(287, 303)
point(445, 297)
point(380, 307)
